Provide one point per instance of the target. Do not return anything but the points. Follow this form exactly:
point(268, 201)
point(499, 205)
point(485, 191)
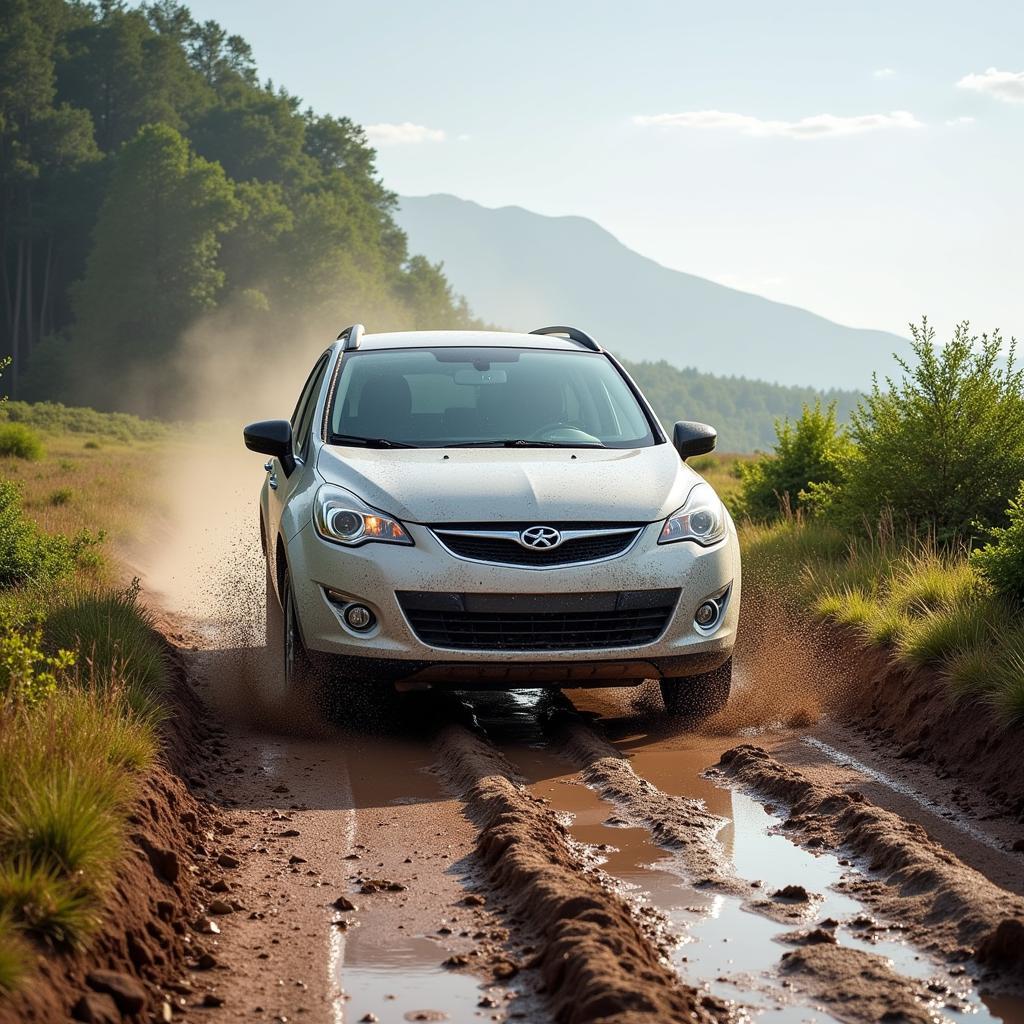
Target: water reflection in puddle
point(401, 981)
point(733, 952)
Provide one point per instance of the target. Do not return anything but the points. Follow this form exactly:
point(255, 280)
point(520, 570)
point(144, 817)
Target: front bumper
point(374, 573)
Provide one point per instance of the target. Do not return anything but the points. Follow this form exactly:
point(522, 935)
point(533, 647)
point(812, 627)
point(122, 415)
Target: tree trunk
point(30, 306)
point(16, 322)
point(44, 302)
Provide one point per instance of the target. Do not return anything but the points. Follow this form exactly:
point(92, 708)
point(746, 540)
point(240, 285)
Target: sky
point(861, 160)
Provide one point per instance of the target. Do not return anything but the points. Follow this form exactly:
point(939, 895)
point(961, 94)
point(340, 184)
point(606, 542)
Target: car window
point(302, 418)
point(436, 397)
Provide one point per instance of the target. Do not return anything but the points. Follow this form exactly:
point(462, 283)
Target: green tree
point(943, 448)
point(156, 247)
point(1001, 562)
point(811, 453)
point(41, 142)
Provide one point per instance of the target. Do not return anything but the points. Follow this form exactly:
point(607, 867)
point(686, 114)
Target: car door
point(281, 485)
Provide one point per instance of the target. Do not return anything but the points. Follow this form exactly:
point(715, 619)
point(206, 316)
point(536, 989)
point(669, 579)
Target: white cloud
point(404, 134)
point(1004, 85)
point(953, 121)
point(883, 72)
point(817, 127)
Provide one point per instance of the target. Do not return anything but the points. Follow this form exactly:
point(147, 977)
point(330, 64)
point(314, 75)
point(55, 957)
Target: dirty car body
point(492, 509)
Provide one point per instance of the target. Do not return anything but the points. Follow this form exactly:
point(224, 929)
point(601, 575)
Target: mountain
point(522, 270)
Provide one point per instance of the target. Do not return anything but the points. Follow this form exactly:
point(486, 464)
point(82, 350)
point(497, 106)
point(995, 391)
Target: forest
point(149, 178)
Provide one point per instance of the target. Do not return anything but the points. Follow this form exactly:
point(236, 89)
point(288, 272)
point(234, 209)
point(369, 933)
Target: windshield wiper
point(368, 442)
point(521, 443)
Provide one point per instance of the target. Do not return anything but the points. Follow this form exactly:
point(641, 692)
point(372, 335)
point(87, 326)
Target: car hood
point(486, 485)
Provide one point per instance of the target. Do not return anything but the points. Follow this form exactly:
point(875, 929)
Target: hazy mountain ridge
point(520, 269)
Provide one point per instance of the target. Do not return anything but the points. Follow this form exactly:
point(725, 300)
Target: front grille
point(469, 622)
point(508, 551)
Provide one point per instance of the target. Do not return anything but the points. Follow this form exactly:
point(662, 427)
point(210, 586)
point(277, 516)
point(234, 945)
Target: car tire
point(698, 697)
point(290, 670)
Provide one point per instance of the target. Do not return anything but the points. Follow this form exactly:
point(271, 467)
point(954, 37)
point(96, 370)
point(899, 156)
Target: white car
point(487, 509)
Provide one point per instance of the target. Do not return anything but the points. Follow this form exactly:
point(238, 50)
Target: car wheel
point(289, 670)
point(296, 664)
point(698, 697)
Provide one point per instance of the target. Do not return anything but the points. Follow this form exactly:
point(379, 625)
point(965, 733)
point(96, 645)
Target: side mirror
point(690, 438)
point(271, 437)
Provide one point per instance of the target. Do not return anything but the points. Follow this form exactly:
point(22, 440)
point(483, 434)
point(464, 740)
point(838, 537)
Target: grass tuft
point(950, 631)
point(1007, 697)
point(115, 640)
point(40, 902)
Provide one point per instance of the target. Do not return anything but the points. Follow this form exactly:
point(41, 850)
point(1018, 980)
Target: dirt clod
point(128, 993)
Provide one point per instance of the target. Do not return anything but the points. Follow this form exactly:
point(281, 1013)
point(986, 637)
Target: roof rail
point(352, 336)
point(574, 334)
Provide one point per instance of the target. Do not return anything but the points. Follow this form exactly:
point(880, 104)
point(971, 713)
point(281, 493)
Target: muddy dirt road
point(535, 856)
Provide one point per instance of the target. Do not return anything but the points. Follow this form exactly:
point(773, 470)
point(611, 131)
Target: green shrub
point(116, 643)
point(93, 445)
point(27, 674)
point(26, 554)
point(813, 450)
point(52, 417)
point(61, 496)
point(20, 441)
point(943, 448)
point(1002, 561)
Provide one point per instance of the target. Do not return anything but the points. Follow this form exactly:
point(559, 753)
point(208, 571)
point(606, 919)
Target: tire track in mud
point(597, 962)
point(848, 982)
point(945, 905)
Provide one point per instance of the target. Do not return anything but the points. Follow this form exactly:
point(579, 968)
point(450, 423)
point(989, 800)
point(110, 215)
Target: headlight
point(703, 518)
point(341, 517)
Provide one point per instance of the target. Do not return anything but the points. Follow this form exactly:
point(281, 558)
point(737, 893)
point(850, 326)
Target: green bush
point(27, 555)
point(52, 417)
point(20, 441)
point(1002, 561)
point(813, 450)
point(942, 450)
point(27, 673)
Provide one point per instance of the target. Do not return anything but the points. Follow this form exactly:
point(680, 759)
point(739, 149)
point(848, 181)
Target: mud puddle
point(401, 980)
point(733, 952)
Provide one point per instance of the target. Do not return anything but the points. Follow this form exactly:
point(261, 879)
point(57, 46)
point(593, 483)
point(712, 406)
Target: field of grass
point(928, 606)
point(82, 672)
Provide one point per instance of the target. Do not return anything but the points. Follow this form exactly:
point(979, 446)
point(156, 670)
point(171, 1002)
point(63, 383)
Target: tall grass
point(925, 604)
point(69, 771)
point(115, 640)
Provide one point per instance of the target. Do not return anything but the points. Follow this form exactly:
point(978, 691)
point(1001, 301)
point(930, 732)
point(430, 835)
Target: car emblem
point(540, 537)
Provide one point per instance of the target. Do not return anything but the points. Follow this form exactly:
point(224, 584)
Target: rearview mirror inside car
point(691, 438)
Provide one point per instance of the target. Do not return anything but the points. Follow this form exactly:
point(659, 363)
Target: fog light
point(706, 614)
point(358, 616)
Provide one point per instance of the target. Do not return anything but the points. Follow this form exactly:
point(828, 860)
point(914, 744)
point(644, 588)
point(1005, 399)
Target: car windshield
point(465, 397)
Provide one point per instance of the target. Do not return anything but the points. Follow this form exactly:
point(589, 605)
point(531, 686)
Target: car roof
point(468, 339)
